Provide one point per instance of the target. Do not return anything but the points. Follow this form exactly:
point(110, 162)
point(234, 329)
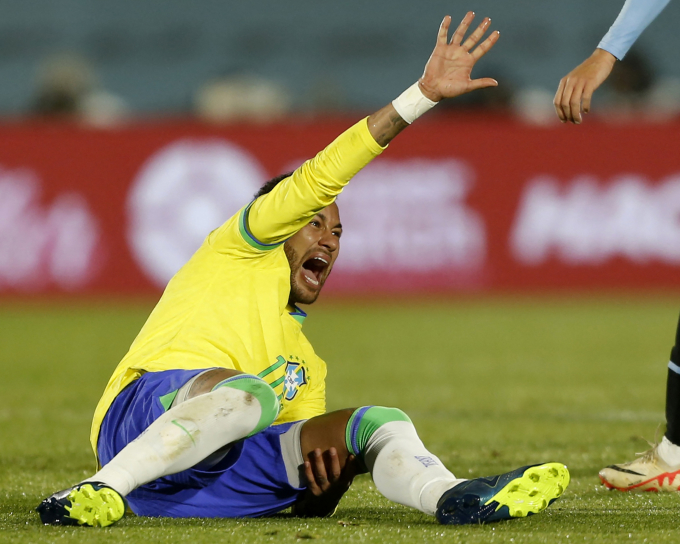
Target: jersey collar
point(296, 313)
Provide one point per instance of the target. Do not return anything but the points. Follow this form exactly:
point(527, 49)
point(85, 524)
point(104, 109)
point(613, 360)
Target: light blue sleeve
point(635, 16)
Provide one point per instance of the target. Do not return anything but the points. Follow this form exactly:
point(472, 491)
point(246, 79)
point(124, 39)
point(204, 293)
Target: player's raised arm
point(575, 91)
point(447, 74)
point(290, 205)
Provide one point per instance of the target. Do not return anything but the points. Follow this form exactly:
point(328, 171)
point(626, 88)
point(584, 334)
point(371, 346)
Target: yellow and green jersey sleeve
point(273, 218)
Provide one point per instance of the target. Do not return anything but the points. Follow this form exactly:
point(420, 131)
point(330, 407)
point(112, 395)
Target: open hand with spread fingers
point(447, 73)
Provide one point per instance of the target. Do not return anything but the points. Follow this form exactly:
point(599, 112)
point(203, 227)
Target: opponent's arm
point(635, 16)
point(274, 217)
point(576, 89)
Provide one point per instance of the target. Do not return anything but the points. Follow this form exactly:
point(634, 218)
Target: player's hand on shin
point(327, 482)
point(447, 72)
point(576, 89)
point(329, 477)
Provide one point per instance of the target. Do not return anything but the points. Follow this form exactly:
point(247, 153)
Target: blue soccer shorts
point(251, 480)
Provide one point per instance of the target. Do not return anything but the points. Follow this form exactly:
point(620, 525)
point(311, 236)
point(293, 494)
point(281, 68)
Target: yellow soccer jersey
point(228, 305)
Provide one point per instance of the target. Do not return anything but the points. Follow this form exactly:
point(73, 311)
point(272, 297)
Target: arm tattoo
point(385, 124)
point(390, 127)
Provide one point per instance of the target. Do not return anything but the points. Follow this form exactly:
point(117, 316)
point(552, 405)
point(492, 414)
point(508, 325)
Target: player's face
point(311, 253)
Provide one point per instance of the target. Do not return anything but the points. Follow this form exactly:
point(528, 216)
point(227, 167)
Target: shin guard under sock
point(191, 431)
point(402, 468)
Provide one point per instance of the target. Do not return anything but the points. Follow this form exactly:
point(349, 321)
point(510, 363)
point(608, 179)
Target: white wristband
point(412, 103)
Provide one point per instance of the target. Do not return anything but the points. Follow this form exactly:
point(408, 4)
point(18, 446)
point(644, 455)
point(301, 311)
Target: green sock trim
point(259, 389)
point(365, 421)
point(167, 400)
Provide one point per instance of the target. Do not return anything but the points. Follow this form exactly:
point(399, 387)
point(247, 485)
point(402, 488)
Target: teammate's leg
point(386, 442)
point(659, 468)
point(222, 406)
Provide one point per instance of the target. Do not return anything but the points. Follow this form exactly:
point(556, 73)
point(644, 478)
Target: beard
point(298, 294)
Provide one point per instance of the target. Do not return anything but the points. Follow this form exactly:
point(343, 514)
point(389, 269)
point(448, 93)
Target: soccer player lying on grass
point(218, 408)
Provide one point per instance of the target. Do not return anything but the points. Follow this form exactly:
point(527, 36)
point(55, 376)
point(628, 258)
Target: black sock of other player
point(673, 393)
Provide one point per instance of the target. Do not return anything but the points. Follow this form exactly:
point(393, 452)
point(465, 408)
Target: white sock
point(182, 437)
point(403, 470)
point(669, 452)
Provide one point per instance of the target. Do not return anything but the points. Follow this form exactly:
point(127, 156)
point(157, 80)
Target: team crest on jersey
point(295, 378)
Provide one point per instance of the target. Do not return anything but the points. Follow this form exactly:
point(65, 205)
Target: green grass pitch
point(490, 384)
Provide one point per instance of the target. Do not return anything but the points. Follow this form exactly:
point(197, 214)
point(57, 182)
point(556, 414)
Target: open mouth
point(313, 269)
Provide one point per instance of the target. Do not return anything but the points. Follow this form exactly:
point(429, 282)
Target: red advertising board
point(454, 205)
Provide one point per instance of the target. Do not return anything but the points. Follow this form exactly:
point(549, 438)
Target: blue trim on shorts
point(355, 427)
point(250, 481)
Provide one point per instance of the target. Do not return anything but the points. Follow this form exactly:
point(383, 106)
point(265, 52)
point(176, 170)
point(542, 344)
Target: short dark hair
point(269, 185)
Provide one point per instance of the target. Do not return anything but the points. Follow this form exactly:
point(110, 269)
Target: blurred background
point(220, 60)
point(129, 130)
point(489, 249)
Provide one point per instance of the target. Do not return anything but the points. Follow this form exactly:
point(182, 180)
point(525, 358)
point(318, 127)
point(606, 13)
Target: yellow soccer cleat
point(517, 494)
point(91, 504)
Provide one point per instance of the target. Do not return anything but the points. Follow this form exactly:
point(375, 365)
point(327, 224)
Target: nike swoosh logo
point(619, 469)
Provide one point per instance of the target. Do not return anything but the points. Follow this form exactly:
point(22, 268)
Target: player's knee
point(365, 421)
point(257, 390)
